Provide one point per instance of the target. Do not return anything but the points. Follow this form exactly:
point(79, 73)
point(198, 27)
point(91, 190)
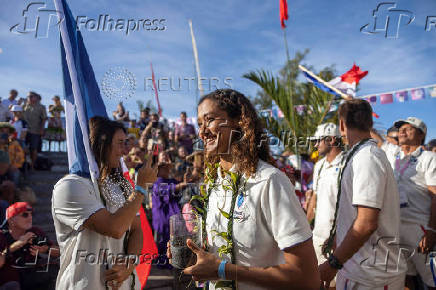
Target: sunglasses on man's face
point(26, 214)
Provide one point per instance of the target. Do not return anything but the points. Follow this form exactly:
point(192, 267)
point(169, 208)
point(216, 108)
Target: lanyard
point(402, 169)
point(328, 249)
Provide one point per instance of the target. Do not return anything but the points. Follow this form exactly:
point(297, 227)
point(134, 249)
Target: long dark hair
point(252, 145)
point(101, 133)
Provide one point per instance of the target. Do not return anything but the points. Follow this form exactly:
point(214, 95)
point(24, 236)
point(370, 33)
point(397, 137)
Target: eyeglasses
point(26, 214)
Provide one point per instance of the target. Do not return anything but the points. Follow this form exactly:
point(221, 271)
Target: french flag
point(82, 102)
point(347, 82)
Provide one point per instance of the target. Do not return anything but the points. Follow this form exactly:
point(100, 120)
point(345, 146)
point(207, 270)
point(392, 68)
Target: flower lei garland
point(203, 198)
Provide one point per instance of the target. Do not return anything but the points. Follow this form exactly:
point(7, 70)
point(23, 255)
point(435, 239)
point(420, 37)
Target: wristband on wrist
point(334, 262)
point(141, 190)
point(222, 270)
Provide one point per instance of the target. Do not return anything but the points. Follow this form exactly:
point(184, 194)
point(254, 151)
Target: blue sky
point(233, 37)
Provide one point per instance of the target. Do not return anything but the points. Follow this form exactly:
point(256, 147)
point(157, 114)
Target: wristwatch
point(334, 262)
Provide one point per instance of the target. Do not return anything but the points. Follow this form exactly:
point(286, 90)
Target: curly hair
point(253, 144)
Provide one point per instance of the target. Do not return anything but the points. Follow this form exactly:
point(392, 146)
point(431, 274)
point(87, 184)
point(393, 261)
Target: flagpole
point(197, 65)
point(345, 96)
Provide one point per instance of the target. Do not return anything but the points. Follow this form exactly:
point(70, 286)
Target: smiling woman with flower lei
point(257, 236)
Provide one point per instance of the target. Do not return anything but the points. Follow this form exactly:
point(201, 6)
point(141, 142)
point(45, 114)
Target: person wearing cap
point(20, 243)
point(35, 115)
point(325, 184)
point(415, 173)
point(19, 124)
point(363, 246)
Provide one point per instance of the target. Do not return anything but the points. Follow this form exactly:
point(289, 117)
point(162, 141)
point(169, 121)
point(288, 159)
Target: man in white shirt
point(11, 100)
point(325, 184)
point(415, 172)
point(367, 249)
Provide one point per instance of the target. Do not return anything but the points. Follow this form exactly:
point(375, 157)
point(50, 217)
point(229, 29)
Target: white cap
point(415, 122)
point(16, 108)
point(326, 129)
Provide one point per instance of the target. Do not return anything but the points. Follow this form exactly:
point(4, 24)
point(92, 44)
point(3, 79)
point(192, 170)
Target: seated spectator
point(19, 124)
point(16, 152)
point(21, 245)
point(5, 172)
point(185, 133)
point(121, 114)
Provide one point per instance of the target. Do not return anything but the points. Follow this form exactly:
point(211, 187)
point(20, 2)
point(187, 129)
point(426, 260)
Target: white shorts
point(343, 283)
point(417, 263)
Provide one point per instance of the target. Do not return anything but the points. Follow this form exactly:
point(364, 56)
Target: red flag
point(374, 114)
point(283, 12)
point(353, 75)
point(149, 248)
point(155, 90)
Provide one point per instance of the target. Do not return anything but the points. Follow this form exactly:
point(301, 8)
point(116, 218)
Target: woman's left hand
point(206, 268)
point(116, 275)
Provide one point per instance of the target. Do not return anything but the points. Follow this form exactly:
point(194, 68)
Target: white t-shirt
point(325, 185)
point(20, 127)
point(269, 220)
point(368, 180)
point(82, 250)
point(414, 173)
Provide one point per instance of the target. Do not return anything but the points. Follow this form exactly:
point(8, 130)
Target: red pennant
point(283, 12)
point(353, 75)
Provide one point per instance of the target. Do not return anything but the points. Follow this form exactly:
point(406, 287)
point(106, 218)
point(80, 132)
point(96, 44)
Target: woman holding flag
point(98, 229)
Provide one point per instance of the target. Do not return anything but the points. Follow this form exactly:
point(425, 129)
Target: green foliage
point(287, 92)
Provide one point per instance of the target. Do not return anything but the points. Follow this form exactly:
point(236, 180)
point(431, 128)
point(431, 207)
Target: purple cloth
point(164, 204)
point(186, 130)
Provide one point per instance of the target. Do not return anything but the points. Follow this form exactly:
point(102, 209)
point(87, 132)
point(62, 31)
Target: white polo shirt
point(269, 220)
point(368, 180)
point(414, 173)
point(325, 185)
point(82, 250)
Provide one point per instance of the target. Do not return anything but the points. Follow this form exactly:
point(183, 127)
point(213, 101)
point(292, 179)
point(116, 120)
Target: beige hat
point(415, 122)
point(326, 129)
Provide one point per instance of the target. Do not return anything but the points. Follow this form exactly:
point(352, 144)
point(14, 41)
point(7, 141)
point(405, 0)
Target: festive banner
point(403, 95)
